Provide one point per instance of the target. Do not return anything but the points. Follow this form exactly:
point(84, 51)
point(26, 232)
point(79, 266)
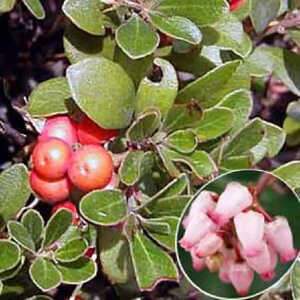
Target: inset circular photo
point(238, 236)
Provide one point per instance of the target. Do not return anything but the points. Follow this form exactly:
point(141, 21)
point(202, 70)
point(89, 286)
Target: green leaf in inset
point(36, 8)
point(290, 173)
point(144, 126)
point(34, 224)
point(240, 103)
point(100, 83)
point(114, 255)
point(71, 250)
point(295, 281)
point(86, 15)
point(203, 90)
point(136, 38)
point(79, 45)
point(183, 141)
point(6, 5)
point(21, 235)
point(79, 271)
point(107, 207)
point(8, 274)
point(57, 226)
point(15, 191)
point(158, 95)
point(49, 98)
point(201, 12)
point(216, 122)
point(160, 265)
point(263, 12)
point(166, 239)
point(177, 27)
point(10, 255)
point(44, 274)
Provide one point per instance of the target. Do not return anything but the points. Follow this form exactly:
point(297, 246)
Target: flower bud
point(250, 230)
point(229, 257)
point(197, 228)
point(241, 276)
point(232, 201)
point(278, 234)
point(209, 245)
point(198, 263)
point(273, 262)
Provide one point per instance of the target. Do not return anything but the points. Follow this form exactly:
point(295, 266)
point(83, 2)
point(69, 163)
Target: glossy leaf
point(98, 82)
point(136, 38)
point(107, 207)
point(9, 255)
point(183, 141)
point(15, 191)
point(290, 173)
point(36, 8)
point(71, 250)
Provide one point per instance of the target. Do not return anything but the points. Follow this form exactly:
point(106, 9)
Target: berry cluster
point(70, 154)
point(231, 234)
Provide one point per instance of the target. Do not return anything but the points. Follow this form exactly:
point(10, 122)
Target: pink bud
point(198, 263)
point(197, 228)
point(279, 236)
point(228, 259)
point(185, 221)
point(250, 230)
point(273, 262)
point(209, 245)
point(241, 276)
point(232, 201)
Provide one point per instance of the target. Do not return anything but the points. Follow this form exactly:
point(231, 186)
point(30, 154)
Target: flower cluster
point(231, 234)
point(68, 154)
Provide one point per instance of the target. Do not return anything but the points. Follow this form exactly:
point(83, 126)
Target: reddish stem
point(259, 209)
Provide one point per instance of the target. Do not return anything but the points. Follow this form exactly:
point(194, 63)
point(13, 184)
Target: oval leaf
point(36, 8)
point(71, 250)
point(106, 207)
point(9, 255)
point(103, 90)
point(12, 272)
point(6, 6)
point(183, 141)
point(290, 173)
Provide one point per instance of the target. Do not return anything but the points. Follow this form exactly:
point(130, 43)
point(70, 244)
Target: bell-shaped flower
point(250, 227)
point(273, 262)
point(209, 245)
point(228, 259)
point(279, 235)
point(232, 201)
point(197, 228)
point(241, 277)
point(198, 263)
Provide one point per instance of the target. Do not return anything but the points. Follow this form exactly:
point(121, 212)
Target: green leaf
point(203, 90)
point(57, 226)
point(293, 110)
point(216, 122)
point(290, 173)
point(238, 162)
point(73, 232)
point(240, 103)
point(6, 5)
point(71, 250)
point(50, 97)
point(8, 274)
point(136, 38)
point(44, 274)
point(166, 239)
point(1, 287)
point(183, 141)
point(9, 255)
point(86, 15)
point(262, 13)
point(160, 265)
point(79, 271)
point(177, 27)
point(36, 8)
point(295, 281)
point(34, 224)
point(15, 191)
point(158, 95)
point(144, 126)
point(98, 82)
point(107, 207)
point(114, 255)
point(295, 36)
point(21, 235)
point(200, 12)
point(79, 45)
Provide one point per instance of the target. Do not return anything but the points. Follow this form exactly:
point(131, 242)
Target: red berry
point(89, 252)
point(70, 207)
point(50, 191)
point(61, 127)
point(91, 133)
point(165, 40)
point(91, 168)
point(235, 4)
point(51, 158)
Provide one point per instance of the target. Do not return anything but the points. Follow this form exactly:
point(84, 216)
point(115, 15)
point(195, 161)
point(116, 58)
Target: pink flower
point(241, 276)
point(273, 262)
point(250, 230)
point(197, 228)
point(198, 263)
point(228, 259)
point(209, 245)
point(232, 201)
point(278, 234)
